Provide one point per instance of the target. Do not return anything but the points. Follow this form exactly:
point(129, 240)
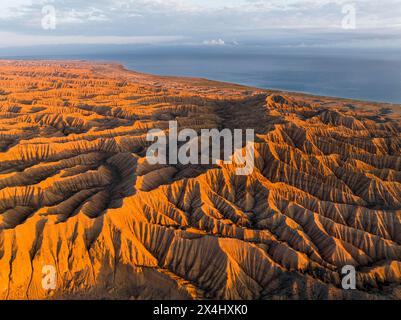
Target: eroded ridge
point(77, 193)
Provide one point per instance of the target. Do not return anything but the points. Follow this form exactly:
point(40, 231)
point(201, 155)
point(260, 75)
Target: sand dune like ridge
point(76, 191)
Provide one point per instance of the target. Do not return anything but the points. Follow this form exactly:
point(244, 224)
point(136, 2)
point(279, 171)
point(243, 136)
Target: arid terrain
point(77, 193)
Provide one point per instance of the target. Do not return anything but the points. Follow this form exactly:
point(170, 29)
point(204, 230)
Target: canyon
point(77, 193)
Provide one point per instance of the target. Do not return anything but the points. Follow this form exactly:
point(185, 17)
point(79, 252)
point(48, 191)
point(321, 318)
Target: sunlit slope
point(77, 193)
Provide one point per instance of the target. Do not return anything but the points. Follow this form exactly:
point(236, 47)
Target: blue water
point(359, 75)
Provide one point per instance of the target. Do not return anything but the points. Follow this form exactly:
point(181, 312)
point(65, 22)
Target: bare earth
point(77, 193)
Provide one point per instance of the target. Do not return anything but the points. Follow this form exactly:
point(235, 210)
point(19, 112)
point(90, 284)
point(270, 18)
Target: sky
point(285, 23)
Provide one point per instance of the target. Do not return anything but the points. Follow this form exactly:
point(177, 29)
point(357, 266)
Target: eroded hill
point(77, 193)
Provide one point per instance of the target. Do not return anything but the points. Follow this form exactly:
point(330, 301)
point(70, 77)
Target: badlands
point(77, 193)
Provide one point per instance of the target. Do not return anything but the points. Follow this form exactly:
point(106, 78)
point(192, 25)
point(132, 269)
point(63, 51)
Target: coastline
point(121, 66)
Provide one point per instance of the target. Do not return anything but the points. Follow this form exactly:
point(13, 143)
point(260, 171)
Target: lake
point(350, 74)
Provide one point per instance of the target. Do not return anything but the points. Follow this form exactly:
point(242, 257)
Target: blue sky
point(292, 23)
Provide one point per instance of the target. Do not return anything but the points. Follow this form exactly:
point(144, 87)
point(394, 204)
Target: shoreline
point(120, 66)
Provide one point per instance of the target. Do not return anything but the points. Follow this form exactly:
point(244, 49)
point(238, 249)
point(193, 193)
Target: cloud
point(196, 20)
point(84, 16)
point(12, 39)
point(214, 42)
point(220, 42)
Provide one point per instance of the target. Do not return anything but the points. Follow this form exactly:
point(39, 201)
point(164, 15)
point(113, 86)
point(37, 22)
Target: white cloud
point(74, 16)
point(214, 42)
point(12, 39)
point(244, 20)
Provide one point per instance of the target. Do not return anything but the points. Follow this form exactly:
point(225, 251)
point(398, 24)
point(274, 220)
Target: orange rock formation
point(77, 193)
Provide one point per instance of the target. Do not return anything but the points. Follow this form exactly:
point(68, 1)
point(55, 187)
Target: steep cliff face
point(77, 193)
